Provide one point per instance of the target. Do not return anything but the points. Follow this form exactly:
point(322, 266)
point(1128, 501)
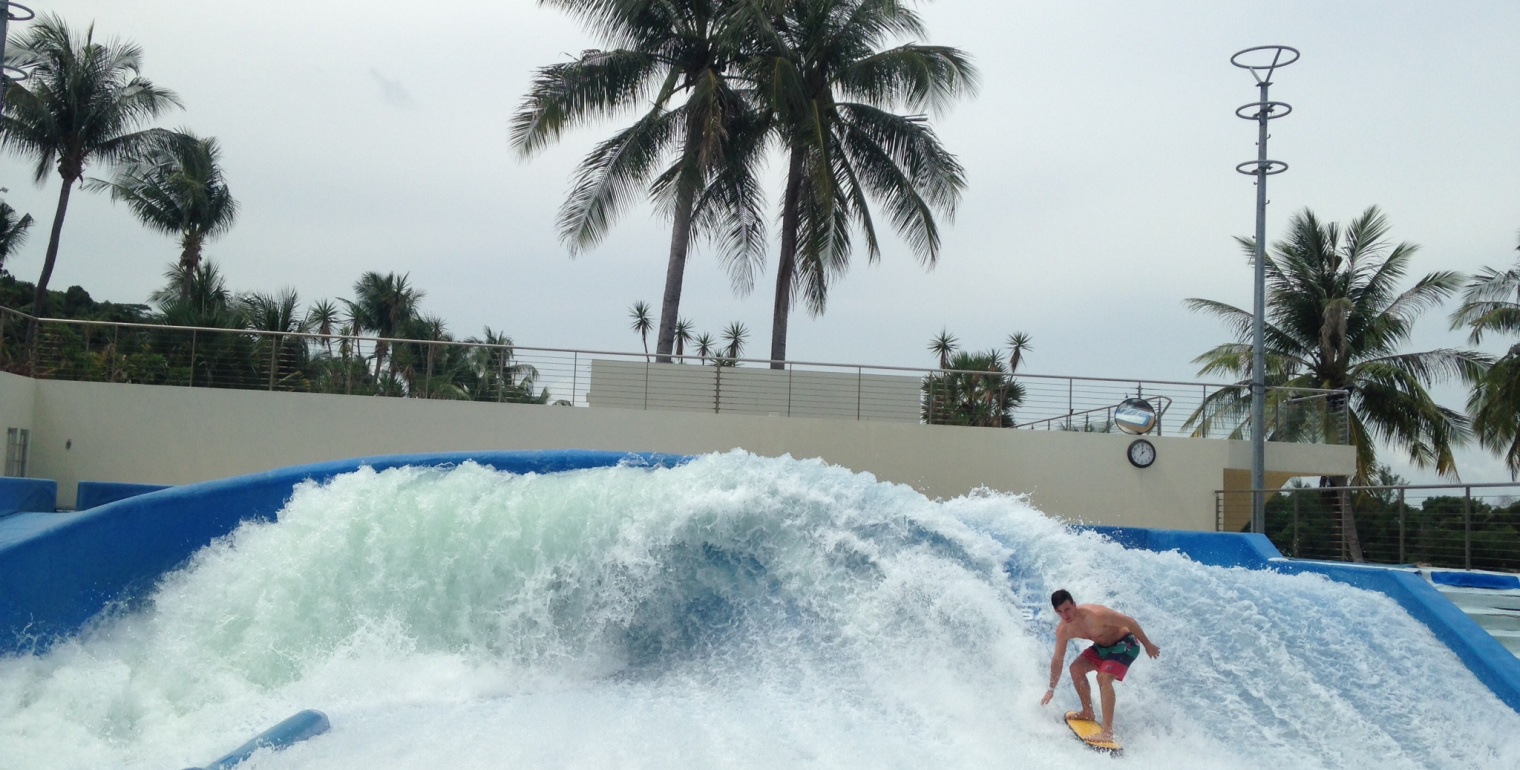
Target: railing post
point(718, 388)
point(193, 334)
point(1402, 512)
point(427, 377)
point(1296, 496)
point(860, 382)
point(1467, 528)
point(790, 371)
point(274, 361)
point(115, 350)
point(575, 378)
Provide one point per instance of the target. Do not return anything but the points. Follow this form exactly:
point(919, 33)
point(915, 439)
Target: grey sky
point(1100, 155)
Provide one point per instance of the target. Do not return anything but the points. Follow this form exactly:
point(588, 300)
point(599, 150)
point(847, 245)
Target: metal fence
point(475, 370)
point(1460, 526)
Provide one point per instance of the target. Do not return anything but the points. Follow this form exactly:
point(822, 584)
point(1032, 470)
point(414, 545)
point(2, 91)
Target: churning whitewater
point(732, 612)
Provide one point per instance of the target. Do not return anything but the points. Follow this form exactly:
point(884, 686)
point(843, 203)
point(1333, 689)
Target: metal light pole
point(1261, 61)
point(10, 12)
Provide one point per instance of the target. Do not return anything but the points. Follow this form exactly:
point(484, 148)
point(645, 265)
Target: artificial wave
point(733, 611)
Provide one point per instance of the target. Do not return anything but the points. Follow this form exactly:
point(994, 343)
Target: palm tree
point(177, 187)
point(383, 305)
point(684, 337)
point(944, 345)
point(706, 346)
point(1491, 303)
point(323, 318)
point(831, 85)
point(84, 102)
point(1018, 344)
point(277, 315)
point(972, 389)
point(12, 231)
point(642, 323)
point(1336, 320)
point(697, 155)
point(735, 335)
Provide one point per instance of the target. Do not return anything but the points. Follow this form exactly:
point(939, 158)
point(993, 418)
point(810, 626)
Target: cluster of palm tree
point(704, 345)
point(974, 387)
point(377, 343)
point(716, 84)
point(1338, 315)
point(87, 103)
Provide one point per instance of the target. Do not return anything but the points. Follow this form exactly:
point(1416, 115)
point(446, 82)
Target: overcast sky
point(1100, 156)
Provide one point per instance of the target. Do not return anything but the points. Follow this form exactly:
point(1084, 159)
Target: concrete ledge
point(93, 494)
point(56, 575)
point(27, 495)
point(1494, 665)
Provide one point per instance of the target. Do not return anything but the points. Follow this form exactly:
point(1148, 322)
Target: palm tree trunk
point(189, 261)
point(680, 243)
point(786, 263)
point(1341, 499)
point(40, 296)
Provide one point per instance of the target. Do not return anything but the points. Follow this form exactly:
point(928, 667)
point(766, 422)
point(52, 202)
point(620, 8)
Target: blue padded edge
point(92, 494)
point(27, 495)
point(1476, 580)
point(294, 729)
point(1494, 665)
point(56, 575)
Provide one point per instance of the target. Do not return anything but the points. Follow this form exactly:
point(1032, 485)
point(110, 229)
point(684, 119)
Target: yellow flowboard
point(1085, 729)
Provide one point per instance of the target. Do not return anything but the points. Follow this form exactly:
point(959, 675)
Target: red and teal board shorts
point(1114, 659)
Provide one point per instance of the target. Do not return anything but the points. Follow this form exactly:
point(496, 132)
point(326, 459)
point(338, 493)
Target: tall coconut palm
point(85, 102)
point(177, 187)
point(694, 147)
point(1336, 319)
point(1491, 304)
point(383, 305)
point(831, 84)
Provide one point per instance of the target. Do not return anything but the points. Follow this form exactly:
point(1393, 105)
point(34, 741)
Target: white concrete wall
point(165, 435)
point(735, 390)
point(18, 398)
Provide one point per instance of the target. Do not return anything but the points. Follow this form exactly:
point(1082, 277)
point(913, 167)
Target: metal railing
point(1459, 526)
point(158, 354)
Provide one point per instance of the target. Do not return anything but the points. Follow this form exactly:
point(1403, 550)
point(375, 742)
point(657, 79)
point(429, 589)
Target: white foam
point(736, 612)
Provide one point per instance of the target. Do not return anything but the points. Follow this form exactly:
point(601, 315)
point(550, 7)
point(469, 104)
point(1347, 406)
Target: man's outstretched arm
point(1057, 660)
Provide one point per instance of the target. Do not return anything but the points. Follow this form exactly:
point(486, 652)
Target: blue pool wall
point(19, 495)
point(57, 571)
point(1494, 665)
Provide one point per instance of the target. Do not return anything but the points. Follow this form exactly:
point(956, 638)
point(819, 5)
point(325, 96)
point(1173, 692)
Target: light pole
point(1261, 61)
point(10, 12)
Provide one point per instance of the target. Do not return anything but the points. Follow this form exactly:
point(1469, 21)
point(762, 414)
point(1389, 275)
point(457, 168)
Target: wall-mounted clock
point(1141, 453)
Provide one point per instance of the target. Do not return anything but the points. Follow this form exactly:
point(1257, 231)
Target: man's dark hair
point(1061, 597)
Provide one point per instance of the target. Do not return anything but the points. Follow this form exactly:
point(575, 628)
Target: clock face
point(1141, 453)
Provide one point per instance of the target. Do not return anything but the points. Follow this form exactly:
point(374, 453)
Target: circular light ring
point(10, 12)
point(1277, 61)
point(15, 74)
point(1268, 107)
point(1262, 167)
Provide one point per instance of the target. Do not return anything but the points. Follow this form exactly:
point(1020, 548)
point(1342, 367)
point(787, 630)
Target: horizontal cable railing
point(1459, 526)
point(158, 354)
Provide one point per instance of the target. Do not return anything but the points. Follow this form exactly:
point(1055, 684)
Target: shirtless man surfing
point(1116, 644)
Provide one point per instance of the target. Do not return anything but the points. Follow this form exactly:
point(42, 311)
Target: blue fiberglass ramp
point(1494, 665)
